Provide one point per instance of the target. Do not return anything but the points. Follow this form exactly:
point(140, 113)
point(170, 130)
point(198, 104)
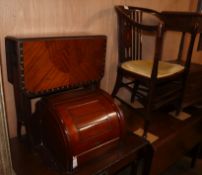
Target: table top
point(182, 20)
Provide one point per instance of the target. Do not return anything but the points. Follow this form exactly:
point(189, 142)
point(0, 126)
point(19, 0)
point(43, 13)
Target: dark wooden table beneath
point(130, 150)
point(175, 139)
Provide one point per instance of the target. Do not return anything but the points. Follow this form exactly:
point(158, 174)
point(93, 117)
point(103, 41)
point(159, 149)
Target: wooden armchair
point(155, 82)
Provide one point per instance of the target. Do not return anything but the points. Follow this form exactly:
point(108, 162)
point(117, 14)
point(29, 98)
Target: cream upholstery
point(144, 68)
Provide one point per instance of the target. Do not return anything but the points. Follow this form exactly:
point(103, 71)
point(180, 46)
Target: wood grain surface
point(59, 63)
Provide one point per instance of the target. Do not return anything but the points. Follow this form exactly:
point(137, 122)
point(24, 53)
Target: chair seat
point(144, 68)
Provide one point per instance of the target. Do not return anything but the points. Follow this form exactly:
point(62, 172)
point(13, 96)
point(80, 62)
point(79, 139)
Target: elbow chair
point(154, 82)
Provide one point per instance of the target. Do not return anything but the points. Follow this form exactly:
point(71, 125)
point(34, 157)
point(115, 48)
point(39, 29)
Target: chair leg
point(179, 106)
point(19, 130)
point(144, 163)
point(148, 111)
point(134, 168)
point(146, 127)
point(134, 91)
point(117, 83)
point(148, 157)
point(180, 101)
point(196, 152)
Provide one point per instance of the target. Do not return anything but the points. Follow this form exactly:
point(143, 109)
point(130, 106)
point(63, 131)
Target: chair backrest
point(133, 23)
point(133, 20)
point(129, 36)
point(187, 23)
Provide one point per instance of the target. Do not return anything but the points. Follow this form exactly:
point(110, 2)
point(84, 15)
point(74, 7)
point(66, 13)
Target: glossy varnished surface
point(130, 149)
point(170, 131)
point(39, 66)
point(55, 63)
point(82, 124)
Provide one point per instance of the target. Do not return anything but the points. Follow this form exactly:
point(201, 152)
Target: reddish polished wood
point(82, 129)
point(46, 65)
point(80, 124)
point(128, 152)
point(57, 63)
point(175, 139)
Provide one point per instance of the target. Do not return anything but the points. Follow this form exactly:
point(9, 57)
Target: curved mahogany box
point(79, 125)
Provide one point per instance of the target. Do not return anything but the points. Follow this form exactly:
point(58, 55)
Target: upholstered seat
point(144, 68)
